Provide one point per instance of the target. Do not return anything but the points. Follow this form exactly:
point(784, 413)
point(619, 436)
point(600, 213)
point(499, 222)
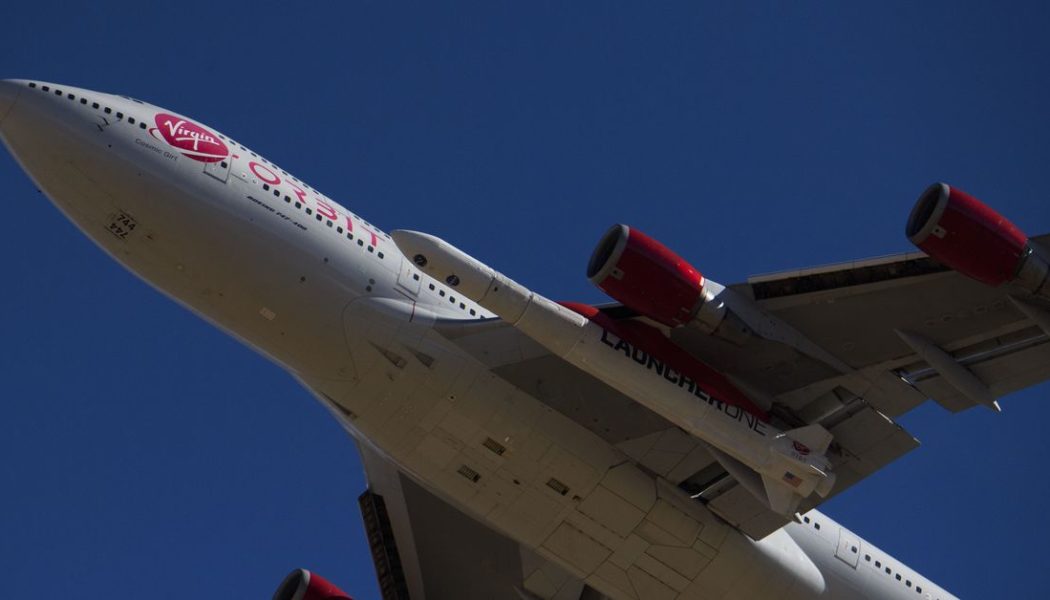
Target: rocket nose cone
point(9, 91)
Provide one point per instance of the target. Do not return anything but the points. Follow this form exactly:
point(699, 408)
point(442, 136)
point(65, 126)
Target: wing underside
point(423, 547)
point(865, 314)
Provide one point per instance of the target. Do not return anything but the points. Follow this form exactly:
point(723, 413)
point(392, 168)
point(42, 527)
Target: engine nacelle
point(963, 233)
point(301, 584)
point(645, 275)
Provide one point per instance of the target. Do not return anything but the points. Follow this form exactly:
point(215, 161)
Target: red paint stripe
point(653, 341)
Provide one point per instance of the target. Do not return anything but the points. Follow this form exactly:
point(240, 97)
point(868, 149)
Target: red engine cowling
point(963, 233)
point(301, 584)
point(645, 275)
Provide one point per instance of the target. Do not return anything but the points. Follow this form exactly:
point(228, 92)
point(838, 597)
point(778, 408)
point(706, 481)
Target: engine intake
point(301, 584)
point(645, 275)
point(968, 236)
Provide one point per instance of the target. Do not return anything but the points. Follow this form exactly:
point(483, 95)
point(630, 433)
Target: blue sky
point(141, 448)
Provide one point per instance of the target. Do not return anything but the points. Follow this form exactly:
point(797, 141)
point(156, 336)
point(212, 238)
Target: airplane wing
point(876, 335)
point(424, 547)
point(857, 312)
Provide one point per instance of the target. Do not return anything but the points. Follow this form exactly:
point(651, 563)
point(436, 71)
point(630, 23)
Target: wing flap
point(869, 440)
point(743, 511)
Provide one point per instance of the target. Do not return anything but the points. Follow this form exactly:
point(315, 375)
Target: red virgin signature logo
point(192, 140)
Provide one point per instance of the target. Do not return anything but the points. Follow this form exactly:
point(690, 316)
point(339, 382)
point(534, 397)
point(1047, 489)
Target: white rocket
point(778, 467)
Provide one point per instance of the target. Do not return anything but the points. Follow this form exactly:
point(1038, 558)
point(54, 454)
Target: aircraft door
point(848, 550)
point(219, 169)
point(408, 278)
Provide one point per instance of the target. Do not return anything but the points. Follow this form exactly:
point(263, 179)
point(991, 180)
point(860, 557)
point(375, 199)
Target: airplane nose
point(9, 91)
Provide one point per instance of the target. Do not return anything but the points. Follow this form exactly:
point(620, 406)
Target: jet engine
point(301, 584)
point(648, 277)
point(645, 275)
point(966, 235)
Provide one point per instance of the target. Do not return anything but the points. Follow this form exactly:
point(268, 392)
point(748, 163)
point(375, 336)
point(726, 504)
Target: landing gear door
point(219, 169)
point(848, 550)
point(408, 279)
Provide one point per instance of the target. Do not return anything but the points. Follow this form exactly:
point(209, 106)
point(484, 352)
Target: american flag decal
point(792, 480)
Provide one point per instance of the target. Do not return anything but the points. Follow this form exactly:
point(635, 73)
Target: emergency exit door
point(848, 550)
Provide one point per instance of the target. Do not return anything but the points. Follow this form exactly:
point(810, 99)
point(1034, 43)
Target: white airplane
point(671, 445)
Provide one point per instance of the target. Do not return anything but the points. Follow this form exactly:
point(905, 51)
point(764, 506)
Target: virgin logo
point(192, 140)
